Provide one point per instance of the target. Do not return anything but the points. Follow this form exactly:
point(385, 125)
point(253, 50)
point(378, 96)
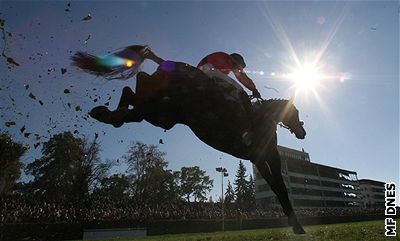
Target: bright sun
point(305, 77)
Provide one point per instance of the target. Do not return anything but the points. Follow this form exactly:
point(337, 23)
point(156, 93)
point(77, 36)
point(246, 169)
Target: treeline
point(70, 170)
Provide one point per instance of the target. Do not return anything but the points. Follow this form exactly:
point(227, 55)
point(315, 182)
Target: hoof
point(296, 226)
point(103, 114)
point(100, 113)
point(298, 229)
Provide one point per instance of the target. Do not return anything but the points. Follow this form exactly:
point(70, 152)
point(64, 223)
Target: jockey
point(220, 64)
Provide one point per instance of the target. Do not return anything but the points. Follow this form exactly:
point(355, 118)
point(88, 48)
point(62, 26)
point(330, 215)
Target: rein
point(286, 127)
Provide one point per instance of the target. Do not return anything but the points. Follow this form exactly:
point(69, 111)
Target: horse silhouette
point(178, 93)
point(243, 129)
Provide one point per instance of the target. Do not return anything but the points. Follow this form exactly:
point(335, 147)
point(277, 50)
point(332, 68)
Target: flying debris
point(78, 108)
point(67, 91)
point(87, 39)
point(87, 18)
point(22, 129)
point(271, 88)
point(63, 70)
point(32, 96)
point(11, 60)
point(68, 7)
point(27, 134)
point(161, 141)
point(26, 86)
point(40, 102)
point(10, 123)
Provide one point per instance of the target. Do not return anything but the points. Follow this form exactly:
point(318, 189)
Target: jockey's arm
point(244, 79)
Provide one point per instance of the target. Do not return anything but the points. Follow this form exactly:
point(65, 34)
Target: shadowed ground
point(357, 231)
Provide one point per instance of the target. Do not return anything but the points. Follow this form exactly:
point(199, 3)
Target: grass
point(357, 231)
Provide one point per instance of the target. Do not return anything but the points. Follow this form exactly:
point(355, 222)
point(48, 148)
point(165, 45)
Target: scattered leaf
point(40, 102)
point(63, 70)
point(78, 108)
point(161, 141)
point(27, 134)
point(12, 61)
point(87, 39)
point(26, 86)
point(2, 21)
point(10, 123)
point(87, 18)
point(67, 91)
point(22, 129)
point(32, 96)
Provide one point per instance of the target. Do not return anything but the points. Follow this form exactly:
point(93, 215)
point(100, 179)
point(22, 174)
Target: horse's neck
point(275, 108)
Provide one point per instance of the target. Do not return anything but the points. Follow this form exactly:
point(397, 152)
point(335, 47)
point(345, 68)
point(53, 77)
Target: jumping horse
point(183, 94)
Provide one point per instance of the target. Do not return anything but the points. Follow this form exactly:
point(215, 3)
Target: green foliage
point(229, 194)
point(151, 180)
point(68, 169)
point(194, 183)
point(116, 187)
point(241, 185)
point(244, 189)
point(10, 164)
point(251, 194)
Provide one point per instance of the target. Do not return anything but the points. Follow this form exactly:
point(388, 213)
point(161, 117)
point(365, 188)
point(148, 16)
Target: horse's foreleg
point(280, 190)
point(271, 172)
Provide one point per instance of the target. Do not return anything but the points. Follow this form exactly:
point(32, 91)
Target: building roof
point(370, 181)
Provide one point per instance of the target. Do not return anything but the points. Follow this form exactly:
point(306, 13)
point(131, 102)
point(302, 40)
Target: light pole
point(224, 173)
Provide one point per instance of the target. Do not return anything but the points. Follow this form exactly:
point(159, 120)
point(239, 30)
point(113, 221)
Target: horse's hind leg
point(271, 172)
point(128, 98)
point(121, 114)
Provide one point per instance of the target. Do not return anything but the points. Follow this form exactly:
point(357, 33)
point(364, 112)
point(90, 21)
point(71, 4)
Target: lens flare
point(129, 63)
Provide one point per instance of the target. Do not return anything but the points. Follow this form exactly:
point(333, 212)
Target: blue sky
point(353, 124)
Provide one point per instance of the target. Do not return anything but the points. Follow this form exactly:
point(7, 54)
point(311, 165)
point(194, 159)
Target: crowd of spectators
point(18, 209)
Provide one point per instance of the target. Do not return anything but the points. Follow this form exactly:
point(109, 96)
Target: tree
point(151, 180)
point(250, 198)
point(115, 187)
point(241, 185)
point(10, 163)
point(229, 194)
point(69, 168)
point(194, 183)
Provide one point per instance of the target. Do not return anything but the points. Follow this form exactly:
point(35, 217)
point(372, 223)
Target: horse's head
point(290, 118)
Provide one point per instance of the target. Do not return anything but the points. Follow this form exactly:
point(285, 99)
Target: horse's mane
point(275, 104)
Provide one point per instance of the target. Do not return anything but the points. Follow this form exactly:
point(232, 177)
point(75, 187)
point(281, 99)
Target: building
point(309, 184)
point(373, 193)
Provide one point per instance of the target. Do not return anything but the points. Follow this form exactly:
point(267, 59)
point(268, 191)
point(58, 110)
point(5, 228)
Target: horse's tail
point(89, 63)
point(119, 65)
